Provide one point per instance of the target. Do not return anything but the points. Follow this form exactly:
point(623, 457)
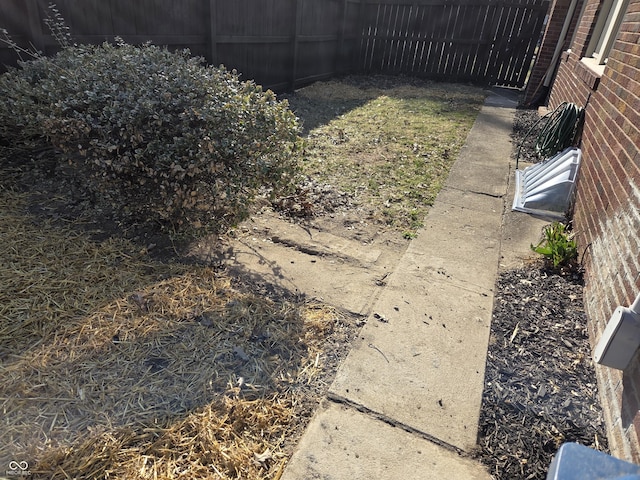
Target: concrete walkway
point(406, 402)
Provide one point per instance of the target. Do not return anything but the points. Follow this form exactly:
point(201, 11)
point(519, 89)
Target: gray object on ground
point(546, 188)
point(577, 462)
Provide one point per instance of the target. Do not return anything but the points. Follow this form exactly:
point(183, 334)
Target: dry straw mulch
point(117, 366)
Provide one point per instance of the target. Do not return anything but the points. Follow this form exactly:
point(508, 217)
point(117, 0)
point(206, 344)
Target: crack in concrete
point(475, 192)
point(324, 254)
point(395, 423)
point(492, 195)
point(301, 248)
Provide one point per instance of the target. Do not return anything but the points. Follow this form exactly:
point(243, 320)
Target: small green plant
point(557, 246)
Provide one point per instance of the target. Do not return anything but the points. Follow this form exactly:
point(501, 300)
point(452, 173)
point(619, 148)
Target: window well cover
point(545, 188)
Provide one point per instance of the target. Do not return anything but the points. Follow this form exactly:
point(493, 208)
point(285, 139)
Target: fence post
point(213, 33)
point(340, 53)
point(295, 41)
point(362, 62)
point(35, 26)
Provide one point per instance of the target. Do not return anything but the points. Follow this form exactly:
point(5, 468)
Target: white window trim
point(605, 31)
point(593, 65)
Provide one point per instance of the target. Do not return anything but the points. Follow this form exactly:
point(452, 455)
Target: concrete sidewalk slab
point(463, 244)
point(423, 366)
point(341, 271)
point(419, 361)
point(474, 201)
point(344, 444)
point(482, 165)
point(421, 358)
point(329, 283)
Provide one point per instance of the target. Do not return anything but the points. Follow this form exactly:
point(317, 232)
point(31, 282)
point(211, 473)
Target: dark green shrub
point(156, 136)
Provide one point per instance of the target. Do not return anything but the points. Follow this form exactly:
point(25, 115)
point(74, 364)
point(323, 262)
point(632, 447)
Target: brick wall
point(557, 14)
point(607, 213)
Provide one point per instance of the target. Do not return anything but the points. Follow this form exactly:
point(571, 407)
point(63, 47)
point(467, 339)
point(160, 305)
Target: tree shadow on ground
point(133, 346)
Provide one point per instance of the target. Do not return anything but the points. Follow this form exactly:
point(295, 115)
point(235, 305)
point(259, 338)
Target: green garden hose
point(563, 129)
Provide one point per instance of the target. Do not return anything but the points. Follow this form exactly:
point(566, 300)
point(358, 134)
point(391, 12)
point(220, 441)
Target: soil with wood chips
point(540, 384)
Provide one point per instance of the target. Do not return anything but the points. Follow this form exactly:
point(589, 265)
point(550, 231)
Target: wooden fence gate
point(479, 41)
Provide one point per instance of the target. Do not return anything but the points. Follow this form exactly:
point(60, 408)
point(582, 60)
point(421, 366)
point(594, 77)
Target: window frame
point(606, 31)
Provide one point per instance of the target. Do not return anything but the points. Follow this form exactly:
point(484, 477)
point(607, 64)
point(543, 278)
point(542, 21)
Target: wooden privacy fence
point(482, 41)
point(284, 44)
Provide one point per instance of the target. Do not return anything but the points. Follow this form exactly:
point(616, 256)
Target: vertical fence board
point(366, 34)
point(36, 13)
point(213, 56)
point(123, 17)
point(349, 55)
point(494, 33)
point(479, 69)
point(412, 34)
point(448, 45)
point(13, 13)
point(466, 52)
point(436, 43)
point(405, 40)
point(442, 43)
point(529, 42)
point(319, 36)
point(382, 25)
point(395, 27)
point(503, 37)
point(296, 43)
point(473, 68)
point(423, 46)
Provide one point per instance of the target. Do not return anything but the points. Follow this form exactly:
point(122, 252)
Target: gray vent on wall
point(546, 188)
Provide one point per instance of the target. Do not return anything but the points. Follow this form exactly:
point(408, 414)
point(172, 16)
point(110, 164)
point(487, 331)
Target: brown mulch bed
point(540, 385)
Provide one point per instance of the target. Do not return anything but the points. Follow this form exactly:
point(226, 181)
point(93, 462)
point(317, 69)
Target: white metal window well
point(546, 188)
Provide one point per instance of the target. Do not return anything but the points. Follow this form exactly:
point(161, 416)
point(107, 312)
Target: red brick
point(611, 157)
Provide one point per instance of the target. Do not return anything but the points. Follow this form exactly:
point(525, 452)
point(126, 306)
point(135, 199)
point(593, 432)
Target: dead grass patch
point(116, 366)
point(389, 143)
